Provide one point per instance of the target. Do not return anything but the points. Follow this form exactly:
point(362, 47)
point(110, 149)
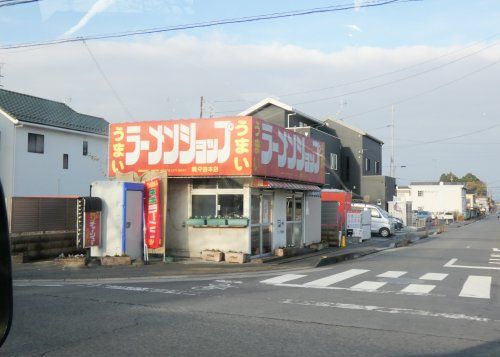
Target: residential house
point(47, 148)
point(361, 164)
point(438, 197)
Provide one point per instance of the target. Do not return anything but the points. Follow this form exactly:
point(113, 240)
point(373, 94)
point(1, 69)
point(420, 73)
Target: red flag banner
point(152, 209)
point(92, 229)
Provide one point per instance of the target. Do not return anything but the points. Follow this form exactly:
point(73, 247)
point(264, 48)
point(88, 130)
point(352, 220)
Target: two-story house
point(47, 148)
point(362, 163)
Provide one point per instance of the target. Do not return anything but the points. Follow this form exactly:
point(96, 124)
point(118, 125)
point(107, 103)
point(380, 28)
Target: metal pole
point(392, 170)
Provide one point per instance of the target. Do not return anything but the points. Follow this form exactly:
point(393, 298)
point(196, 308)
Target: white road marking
point(418, 289)
point(150, 290)
point(468, 247)
point(451, 264)
point(392, 274)
point(495, 255)
point(494, 262)
point(335, 278)
point(496, 249)
point(282, 278)
point(387, 310)
point(368, 285)
point(433, 276)
point(495, 259)
point(477, 286)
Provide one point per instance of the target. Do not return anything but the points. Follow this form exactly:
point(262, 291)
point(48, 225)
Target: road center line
point(387, 310)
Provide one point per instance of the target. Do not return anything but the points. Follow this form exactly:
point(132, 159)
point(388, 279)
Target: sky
point(436, 61)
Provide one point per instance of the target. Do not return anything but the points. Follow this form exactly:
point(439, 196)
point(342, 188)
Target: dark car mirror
point(6, 300)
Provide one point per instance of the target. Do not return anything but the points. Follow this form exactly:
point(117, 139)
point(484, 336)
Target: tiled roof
point(27, 108)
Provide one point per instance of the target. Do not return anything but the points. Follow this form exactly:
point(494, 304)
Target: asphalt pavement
point(438, 297)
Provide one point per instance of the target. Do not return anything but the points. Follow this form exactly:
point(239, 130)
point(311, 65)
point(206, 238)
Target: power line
point(16, 2)
point(461, 49)
point(108, 82)
point(271, 16)
point(424, 92)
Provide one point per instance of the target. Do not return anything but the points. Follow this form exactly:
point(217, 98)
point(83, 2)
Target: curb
point(346, 256)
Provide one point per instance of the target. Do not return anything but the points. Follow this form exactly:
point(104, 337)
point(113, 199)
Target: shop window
point(230, 205)
point(35, 143)
point(204, 205)
point(420, 193)
point(289, 208)
point(298, 209)
point(255, 206)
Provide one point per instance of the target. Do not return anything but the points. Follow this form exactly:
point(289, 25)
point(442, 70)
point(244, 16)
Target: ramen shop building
point(234, 183)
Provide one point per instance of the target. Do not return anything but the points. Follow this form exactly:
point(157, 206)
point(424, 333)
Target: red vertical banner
point(92, 229)
point(152, 209)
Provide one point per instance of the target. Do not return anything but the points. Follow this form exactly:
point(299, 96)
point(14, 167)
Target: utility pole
point(392, 170)
point(201, 106)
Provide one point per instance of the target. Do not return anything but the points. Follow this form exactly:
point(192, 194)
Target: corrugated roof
point(30, 109)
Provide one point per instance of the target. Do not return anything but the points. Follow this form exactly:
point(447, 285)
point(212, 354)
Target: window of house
point(65, 161)
point(333, 161)
point(377, 167)
point(85, 148)
point(367, 164)
point(35, 143)
point(420, 193)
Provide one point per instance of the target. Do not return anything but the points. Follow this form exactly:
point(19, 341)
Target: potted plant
point(237, 221)
point(212, 255)
point(287, 251)
point(196, 222)
point(71, 261)
point(217, 221)
point(123, 259)
point(236, 257)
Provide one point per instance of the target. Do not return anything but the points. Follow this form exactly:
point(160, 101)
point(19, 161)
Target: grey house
point(278, 113)
point(361, 165)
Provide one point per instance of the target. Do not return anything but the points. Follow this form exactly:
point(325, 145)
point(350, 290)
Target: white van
point(381, 223)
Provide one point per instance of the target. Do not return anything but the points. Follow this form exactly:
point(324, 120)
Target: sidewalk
point(47, 270)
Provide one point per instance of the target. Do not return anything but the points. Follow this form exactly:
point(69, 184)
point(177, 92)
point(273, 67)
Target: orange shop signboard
point(229, 146)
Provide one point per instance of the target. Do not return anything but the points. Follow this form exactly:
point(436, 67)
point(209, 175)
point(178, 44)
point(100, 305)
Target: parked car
point(398, 222)
point(381, 222)
point(447, 216)
point(424, 215)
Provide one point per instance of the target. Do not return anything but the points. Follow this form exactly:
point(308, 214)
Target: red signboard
point(229, 146)
point(92, 229)
point(198, 147)
point(282, 153)
point(152, 209)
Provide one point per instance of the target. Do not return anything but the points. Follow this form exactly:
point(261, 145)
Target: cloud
point(163, 78)
point(98, 7)
point(354, 27)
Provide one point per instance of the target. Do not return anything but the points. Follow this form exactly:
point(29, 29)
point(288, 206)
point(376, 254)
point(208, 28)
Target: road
point(440, 297)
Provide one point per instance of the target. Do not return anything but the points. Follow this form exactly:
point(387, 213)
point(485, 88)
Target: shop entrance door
point(294, 220)
point(261, 224)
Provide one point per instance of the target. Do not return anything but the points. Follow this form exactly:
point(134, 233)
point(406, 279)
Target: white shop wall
point(312, 218)
point(279, 219)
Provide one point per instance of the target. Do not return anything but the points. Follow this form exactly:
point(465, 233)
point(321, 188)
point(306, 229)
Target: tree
point(449, 177)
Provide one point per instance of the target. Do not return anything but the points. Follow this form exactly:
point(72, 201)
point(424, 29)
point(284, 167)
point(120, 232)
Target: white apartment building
point(436, 197)
point(48, 149)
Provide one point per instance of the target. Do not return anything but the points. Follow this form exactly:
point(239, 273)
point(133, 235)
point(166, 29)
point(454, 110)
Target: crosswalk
point(396, 281)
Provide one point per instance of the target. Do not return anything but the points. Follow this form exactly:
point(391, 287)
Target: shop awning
point(285, 185)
